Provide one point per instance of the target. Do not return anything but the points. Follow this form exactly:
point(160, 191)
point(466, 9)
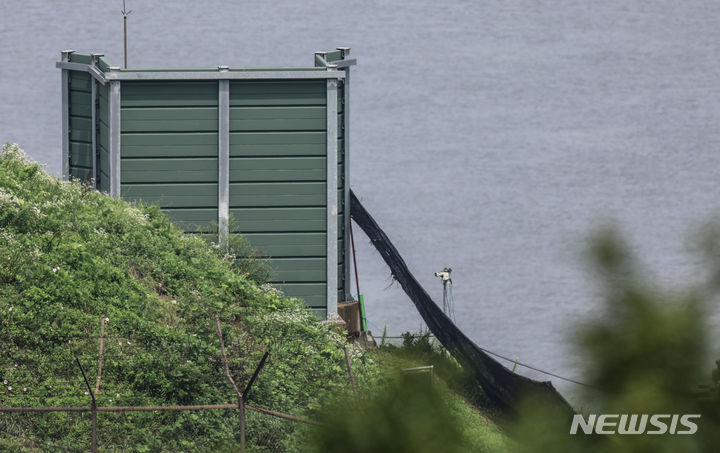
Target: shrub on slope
point(70, 255)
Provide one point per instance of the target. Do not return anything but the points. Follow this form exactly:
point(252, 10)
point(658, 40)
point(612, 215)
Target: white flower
point(10, 309)
point(55, 269)
point(86, 393)
point(107, 319)
point(9, 387)
point(117, 395)
point(128, 343)
point(5, 382)
point(24, 389)
point(120, 343)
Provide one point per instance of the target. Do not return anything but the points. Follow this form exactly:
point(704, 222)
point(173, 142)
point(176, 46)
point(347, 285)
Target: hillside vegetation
point(70, 256)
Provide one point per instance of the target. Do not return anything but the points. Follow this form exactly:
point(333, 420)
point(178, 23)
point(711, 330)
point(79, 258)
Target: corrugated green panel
point(277, 143)
point(80, 81)
point(277, 169)
point(80, 104)
point(80, 129)
point(104, 182)
point(77, 57)
point(81, 155)
point(194, 220)
point(104, 163)
point(197, 119)
point(277, 118)
point(169, 170)
point(104, 135)
point(295, 92)
point(291, 219)
point(169, 94)
point(103, 112)
point(104, 64)
point(173, 195)
point(298, 269)
point(201, 144)
point(104, 91)
point(80, 173)
point(312, 293)
point(288, 244)
point(277, 194)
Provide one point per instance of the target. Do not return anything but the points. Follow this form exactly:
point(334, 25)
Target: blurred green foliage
point(647, 353)
point(405, 414)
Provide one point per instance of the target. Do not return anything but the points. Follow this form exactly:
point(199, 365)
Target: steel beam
point(65, 115)
point(114, 139)
point(230, 75)
point(93, 115)
point(332, 201)
point(93, 71)
point(223, 160)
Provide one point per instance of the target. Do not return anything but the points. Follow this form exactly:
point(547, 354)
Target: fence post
point(350, 371)
point(93, 407)
point(241, 400)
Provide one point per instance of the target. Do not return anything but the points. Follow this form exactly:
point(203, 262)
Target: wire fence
point(259, 429)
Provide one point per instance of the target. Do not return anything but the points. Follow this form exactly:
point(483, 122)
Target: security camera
point(444, 275)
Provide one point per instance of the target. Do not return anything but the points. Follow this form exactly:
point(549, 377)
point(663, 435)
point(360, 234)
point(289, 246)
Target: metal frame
point(229, 75)
point(92, 70)
point(332, 74)
point(65, 116)
point(332, 201)
point(223, 159)
point(114, 139)
point(116, 74)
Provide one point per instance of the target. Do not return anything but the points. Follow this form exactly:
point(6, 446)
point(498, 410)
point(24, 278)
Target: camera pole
point(448, 308)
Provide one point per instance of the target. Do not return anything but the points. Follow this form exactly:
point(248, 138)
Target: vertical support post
point(65, 115)
point(93, 115)
point(95, 120)
point(346, 175)
point(93, 407)
point(241, 398)
point(332, 200)
point(223, 159)
point(350, 371)
point(114, 163)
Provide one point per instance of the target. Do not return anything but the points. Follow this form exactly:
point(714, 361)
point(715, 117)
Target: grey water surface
point(489, 136)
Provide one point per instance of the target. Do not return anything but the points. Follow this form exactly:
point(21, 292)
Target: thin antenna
point(125, 14)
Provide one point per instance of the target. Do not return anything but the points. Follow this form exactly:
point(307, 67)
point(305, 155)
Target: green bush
point(70, 256)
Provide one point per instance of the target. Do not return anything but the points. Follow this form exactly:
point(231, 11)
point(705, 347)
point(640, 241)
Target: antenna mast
point(125, 14)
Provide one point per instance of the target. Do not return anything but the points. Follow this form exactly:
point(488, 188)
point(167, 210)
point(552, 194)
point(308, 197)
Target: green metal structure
point(262, 152)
